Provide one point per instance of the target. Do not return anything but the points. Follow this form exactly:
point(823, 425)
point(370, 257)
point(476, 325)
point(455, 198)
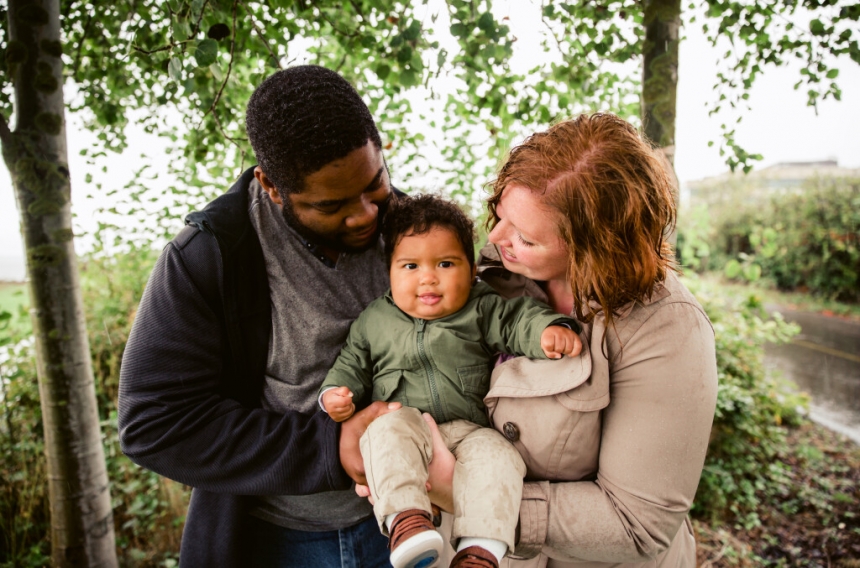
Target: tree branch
point(199, 19)
point(5, 132)
point(213, 108)
point(165, 48)
point(262, 37)
point(341, 32)
point(77, 64)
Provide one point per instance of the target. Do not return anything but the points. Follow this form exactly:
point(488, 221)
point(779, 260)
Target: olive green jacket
point(439, 366)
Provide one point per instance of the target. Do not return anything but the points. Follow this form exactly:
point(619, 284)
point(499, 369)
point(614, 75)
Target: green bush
point(806, 241)
point(742, 466)
point(148, 510)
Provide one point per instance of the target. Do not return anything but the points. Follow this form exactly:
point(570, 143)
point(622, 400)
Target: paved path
point(824, 360)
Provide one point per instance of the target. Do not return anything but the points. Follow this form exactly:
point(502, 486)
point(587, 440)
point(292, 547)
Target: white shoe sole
point(420, 551)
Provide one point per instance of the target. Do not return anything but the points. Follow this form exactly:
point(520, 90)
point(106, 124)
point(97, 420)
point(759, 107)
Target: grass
point(798, 301)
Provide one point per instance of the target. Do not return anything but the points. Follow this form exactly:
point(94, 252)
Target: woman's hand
point(440, 481)
point(351, 431)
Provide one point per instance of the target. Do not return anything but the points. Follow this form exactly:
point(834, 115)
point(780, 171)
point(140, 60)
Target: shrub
point(742, 468)
point(148, 510)
point(808, 241)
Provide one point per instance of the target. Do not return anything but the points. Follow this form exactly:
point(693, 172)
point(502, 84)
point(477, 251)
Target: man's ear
point(267, 184)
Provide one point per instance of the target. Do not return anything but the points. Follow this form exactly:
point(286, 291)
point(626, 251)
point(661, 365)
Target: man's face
point(340, 205)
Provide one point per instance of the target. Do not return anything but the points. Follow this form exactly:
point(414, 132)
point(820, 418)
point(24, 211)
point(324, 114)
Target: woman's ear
point(268, 186)
point(474, 274)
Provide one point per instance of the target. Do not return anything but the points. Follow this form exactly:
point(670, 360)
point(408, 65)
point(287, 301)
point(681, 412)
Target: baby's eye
point(446, 264)
point(410, 266)
point(525, 242)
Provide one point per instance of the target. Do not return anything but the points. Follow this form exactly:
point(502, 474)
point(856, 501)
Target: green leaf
point(174, 69)
point(216, 72)
point(486, 23)
point(732, 269)
point(181, 30)
point(405, 54)
point(413, 31)
point(409, 78)
point(816, 26)
point(752, 272)
point(206, 52)
point(833, 73)
point(382, 71)
point(459, 30)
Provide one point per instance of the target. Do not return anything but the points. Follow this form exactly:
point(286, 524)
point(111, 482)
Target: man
point(245, 311)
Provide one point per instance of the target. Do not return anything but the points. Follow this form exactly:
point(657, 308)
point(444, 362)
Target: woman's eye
point(446, 264)
point(525, 242)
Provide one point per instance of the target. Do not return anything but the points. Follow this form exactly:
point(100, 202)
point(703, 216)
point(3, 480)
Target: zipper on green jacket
point(431, 376)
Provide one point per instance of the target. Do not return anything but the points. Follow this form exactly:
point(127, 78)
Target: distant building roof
point(783, 174)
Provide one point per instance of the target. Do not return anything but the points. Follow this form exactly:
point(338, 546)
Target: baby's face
point(430, 274)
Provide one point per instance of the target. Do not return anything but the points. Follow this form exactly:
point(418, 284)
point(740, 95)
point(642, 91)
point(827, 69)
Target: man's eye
point(328, 208)
point(446, 264)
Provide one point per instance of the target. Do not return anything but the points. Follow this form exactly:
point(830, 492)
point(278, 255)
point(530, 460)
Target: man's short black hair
point(303, 118)
point(418, 215)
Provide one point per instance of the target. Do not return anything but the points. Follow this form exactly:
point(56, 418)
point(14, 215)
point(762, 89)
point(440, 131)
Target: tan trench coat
point(614, 445)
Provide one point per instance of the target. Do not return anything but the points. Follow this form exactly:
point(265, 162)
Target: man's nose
point(364, 214)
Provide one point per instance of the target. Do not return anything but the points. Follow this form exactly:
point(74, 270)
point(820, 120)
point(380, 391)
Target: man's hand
point(557, 340)
point(338, 403)
point(351, 432)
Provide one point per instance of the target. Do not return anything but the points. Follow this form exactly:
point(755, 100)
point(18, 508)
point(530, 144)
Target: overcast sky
point(780, 126)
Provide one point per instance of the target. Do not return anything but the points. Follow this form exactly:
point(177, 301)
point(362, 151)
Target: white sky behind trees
point(779, 125)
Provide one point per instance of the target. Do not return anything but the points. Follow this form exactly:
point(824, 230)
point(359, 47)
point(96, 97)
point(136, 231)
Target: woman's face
point(526, 236)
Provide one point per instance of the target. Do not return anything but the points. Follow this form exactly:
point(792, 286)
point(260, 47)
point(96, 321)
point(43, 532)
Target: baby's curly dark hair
point(419, 214)
point(302, 119)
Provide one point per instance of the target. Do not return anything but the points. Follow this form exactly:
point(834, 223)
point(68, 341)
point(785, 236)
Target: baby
point(428, 344)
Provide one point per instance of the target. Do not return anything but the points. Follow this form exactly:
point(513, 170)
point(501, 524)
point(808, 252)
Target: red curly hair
point(616, 204)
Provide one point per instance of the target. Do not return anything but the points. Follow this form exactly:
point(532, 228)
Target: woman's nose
point(498, 235)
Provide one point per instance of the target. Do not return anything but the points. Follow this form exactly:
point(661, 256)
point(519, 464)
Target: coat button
point(511, 431)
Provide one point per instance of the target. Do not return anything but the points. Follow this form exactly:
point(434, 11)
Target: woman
point(604, 259)
point(578, 216)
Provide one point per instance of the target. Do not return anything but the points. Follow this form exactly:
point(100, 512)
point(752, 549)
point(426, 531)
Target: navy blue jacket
point(192, 378)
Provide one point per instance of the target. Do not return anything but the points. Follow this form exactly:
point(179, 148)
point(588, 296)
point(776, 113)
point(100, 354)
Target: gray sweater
point(313, 306)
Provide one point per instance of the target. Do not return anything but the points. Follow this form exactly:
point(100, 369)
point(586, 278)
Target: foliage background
point(807, 239)
point(183, 69)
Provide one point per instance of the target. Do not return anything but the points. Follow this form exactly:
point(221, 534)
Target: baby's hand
point(338, 403)
point(557, 340)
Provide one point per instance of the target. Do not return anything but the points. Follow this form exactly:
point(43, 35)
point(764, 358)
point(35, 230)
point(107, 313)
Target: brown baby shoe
point(474, 557)
point(414, 542)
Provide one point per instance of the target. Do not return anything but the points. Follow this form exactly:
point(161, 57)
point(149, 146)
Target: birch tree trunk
point(35, 152)
point(662, 19)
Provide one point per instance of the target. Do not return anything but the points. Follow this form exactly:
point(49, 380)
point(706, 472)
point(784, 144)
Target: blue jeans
point(358, 546)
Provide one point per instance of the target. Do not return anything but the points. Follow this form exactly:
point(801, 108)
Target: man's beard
point(329, 242)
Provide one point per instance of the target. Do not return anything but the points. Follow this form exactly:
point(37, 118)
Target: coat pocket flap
point(573, 381)
point(474, 378)
point(384, 385)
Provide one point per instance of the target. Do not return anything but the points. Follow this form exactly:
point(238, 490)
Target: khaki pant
point(488, 476)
